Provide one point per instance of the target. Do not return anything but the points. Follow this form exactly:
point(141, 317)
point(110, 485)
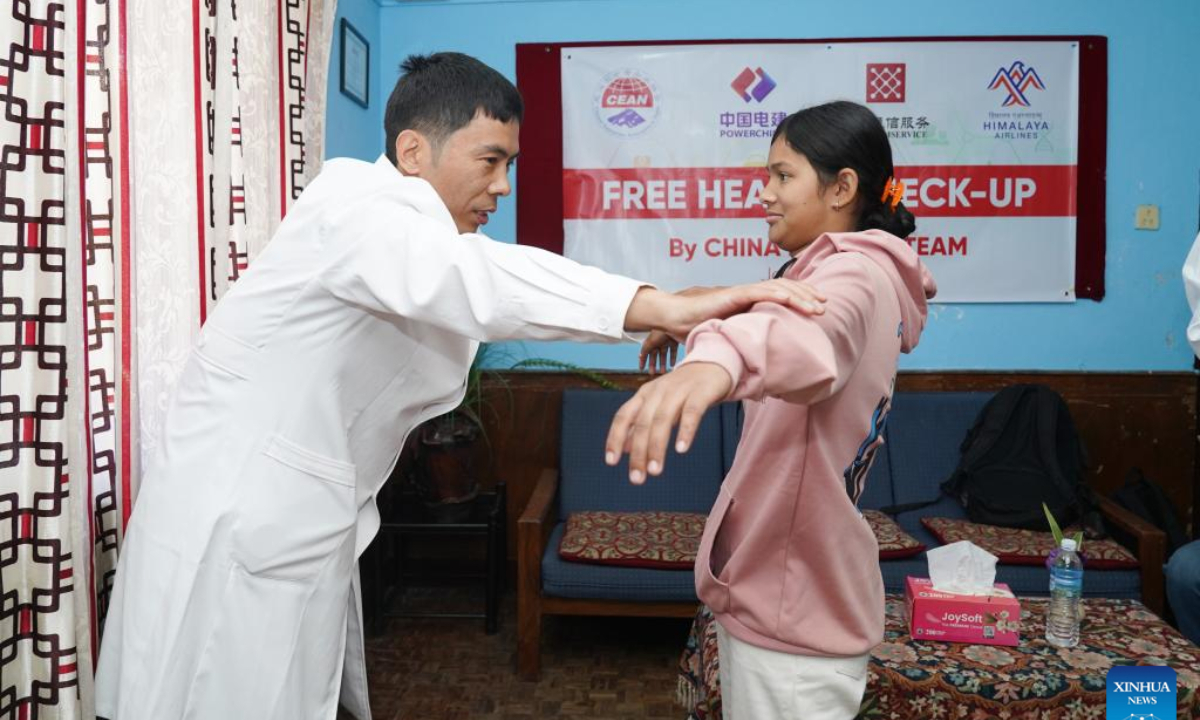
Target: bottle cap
point(1068, 544)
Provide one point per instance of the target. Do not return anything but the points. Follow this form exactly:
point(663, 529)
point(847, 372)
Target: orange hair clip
point(892, 192)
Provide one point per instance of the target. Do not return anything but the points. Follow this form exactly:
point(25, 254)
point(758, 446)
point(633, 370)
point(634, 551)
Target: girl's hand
point(642, 427)
point(658, 353)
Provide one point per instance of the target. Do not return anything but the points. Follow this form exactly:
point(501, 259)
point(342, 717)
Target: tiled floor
point(604, 668)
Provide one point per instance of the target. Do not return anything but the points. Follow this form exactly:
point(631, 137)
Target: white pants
point(761, 684)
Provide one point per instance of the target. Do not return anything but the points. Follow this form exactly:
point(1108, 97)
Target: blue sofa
point(921, 449)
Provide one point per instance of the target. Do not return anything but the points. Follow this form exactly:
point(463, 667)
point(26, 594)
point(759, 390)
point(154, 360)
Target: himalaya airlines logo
point(1016, 79)
point(753, 84)
point(627, 103)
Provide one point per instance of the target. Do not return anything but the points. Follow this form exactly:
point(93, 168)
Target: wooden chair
point(548, 585)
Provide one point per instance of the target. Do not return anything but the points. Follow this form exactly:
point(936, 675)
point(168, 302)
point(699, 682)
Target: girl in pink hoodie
point(788, 565)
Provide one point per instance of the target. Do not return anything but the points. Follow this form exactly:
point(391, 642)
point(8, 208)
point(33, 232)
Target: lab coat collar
point(418, 192)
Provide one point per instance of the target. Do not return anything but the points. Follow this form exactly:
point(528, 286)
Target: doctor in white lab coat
point(236, 595)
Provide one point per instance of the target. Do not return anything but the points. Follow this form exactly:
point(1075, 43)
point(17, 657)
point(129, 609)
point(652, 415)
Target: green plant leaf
point(1058, 536)
point(548, 364)
point(1079, 541)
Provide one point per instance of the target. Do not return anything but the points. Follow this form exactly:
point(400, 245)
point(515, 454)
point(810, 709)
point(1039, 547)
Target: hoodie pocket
point(712, 562)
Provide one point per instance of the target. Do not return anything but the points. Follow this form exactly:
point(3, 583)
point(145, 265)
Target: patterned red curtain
point(147, 156)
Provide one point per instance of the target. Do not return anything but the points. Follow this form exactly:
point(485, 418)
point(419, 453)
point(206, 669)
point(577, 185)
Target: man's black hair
point(440, 93)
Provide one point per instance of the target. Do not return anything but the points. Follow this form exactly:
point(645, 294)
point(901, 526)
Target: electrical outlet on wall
point(1146, 217)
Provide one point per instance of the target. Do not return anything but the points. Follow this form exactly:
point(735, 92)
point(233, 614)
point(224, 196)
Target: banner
point(664, 150)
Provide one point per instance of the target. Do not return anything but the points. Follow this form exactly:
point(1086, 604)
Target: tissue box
point(949, 617)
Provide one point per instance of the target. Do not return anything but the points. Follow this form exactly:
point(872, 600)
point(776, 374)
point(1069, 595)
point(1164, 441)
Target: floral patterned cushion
point(664, 540)
point(893, 541)
point(1027, 547)
point(669, 540)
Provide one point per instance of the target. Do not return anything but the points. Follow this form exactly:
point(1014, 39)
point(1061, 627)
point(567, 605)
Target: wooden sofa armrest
point(533, 530)
point(1151, 549)
point(539, 517)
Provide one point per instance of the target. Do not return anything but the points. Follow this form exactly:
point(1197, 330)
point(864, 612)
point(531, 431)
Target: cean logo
point(1016, 79)
point(627, 103)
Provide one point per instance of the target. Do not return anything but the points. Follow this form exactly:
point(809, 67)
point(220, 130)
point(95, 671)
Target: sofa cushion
point(688, 483)
point(924, 433)
point(561, 578)
point(659, 539)
point(893, 541)
point(670, 540)
point(1026, 547)
point(1024, 580)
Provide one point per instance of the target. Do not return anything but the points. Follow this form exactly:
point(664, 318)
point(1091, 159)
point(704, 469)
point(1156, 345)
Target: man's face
point(470, 172)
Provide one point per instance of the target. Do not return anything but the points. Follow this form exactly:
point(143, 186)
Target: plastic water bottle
point(1066, 591)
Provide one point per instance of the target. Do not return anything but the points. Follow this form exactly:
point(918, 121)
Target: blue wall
point(350, 129)
point(1153, 148)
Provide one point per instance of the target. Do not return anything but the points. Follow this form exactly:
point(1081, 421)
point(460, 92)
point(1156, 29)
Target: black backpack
point(1023, 451)
point(1146, 499)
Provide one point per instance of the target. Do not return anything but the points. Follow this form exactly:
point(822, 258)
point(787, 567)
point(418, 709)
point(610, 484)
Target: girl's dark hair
point(844, 134)
point(441, 93)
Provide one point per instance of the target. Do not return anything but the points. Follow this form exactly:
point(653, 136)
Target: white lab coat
point(236, 595)
point(1191, 287)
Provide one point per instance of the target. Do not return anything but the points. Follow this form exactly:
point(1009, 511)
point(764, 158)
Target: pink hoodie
point(787, 562)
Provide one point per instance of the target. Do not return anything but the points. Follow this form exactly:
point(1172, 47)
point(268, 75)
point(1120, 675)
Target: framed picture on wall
point(355, 65)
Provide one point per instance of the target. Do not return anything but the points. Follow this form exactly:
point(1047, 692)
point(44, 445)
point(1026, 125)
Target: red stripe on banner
point(102, 231)
point(26, 530)
point(93, 58)
point(94, 145)
point(990, 190)
point(38, 43)
point(68, 669)
point(32, 232)
point(65, 574)
point(27, 429)
point(26, 622)
point(280, 26)
point(35, 136)
point(733, 192)
point(4, 80)
point(23, 710)
point(31, 328)
point(66, 479)
point(645, 193)
point(196, 96)
point(126, 272)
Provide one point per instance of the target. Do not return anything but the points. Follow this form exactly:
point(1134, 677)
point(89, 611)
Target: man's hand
point(661, 349)
point(642, 427)
point(658, 353)
point(676, 315)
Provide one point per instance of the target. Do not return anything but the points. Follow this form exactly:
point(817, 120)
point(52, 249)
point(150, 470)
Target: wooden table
point(922, 679)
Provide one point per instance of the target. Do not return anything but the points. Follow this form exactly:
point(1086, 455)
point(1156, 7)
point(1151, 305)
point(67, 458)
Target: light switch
point(1146, 217)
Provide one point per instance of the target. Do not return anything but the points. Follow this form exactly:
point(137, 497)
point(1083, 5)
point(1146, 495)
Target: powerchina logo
point(1017, 79)
point(1140, 692)
point(753, 85)
point(627, 102)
